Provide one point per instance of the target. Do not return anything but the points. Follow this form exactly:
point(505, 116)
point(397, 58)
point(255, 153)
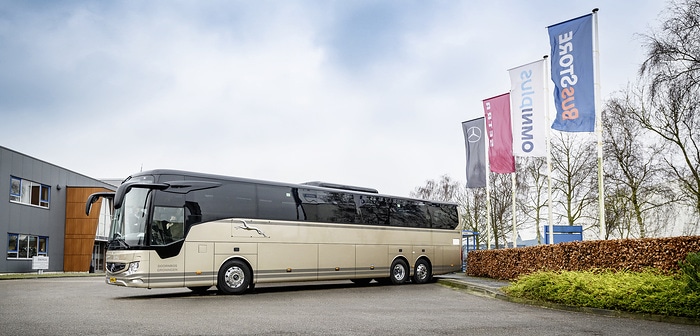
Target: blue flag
point(572, 73)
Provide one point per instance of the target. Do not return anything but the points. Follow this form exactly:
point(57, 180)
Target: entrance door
point(98, 257)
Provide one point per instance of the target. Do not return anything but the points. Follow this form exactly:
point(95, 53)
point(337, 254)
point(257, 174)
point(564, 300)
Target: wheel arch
point(421, 257)
point(240, 258)
point(401, 257)
point(404, 259)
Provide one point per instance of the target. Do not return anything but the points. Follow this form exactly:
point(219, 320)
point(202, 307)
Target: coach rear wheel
point(234, 277)
point(422, 273)
point(399, 272)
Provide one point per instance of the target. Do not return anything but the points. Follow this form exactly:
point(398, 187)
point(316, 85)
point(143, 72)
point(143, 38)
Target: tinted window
point(336, 207)
point(213, 203)
point(374, 210)
point(276, 203)
point(409, 214)
point(243, 199)
point(309, 201)
point(443, 216)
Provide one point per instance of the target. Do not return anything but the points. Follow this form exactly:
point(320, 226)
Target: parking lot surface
point(87, 306)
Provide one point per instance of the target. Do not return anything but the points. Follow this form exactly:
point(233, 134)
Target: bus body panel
point(287, 262)
point(165, 273)
point(372, 261)
point(199, 264)
point(236, 248)
point(336, 261)
point(419, 251)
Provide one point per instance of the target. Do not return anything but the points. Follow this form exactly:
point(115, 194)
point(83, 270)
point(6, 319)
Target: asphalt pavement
point(486, 287)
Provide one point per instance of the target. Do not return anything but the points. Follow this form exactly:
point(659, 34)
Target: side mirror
point(94, 198)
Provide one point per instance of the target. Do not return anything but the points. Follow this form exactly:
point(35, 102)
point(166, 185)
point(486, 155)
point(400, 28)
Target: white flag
point(527, 107)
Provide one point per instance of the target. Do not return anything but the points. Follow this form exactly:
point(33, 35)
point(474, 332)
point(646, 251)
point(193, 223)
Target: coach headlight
point(133, 267)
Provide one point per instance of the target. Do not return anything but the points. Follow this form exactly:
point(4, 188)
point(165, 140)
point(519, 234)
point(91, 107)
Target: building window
point(28, 192)
point(22, 246)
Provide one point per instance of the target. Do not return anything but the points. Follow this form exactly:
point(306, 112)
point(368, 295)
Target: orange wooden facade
point(80, 229)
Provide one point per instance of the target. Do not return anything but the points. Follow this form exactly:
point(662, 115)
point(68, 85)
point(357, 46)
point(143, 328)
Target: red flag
point(498, 129)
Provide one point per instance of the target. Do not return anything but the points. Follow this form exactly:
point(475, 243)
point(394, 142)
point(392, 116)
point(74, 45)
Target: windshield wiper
point(119, 240)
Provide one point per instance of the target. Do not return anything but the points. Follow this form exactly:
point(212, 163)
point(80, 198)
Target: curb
point(475, 289)
point(496, 293)
point(18, 276)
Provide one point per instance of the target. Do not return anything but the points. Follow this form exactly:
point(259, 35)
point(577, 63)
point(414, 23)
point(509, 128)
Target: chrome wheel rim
point(399, 272)
point(234, 277)
point(421, 272)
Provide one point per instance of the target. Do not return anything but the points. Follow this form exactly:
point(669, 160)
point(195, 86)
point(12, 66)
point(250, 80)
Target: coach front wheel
point(234, 277)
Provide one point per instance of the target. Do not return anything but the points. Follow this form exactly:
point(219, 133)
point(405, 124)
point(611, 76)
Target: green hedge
point(663, 254)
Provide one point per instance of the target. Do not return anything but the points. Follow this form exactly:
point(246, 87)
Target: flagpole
point(515, 232)
point(549, 152)
point(488, 191)
point(599, 124)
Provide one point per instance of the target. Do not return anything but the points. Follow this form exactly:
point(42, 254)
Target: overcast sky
point(368, 93)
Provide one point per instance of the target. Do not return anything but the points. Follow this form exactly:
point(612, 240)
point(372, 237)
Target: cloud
point(362, 92)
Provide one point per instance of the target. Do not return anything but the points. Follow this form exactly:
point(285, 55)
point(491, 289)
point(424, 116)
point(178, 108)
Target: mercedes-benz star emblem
point(473, 134)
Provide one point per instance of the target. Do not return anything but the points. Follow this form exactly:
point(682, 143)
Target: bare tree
point(501, 204)
point(673, 54)
point(574, 176)
point(618, 222)
point(632, 165)
point(445, 189)
point(673, 70)
point(472, 203)
point(532, 195)
point(502, 211)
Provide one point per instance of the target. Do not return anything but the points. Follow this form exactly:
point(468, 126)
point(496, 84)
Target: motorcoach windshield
point(129, 224)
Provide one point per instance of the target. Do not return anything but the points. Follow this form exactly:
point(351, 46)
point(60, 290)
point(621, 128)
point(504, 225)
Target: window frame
point(43, 199)
point(31, 251)
point(16, 243)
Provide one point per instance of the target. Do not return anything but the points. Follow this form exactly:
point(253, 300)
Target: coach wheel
point(399, 272)
point(234, 277)
point(422, 273)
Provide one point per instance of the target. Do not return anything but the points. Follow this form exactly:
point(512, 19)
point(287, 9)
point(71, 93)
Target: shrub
point(690, 268)
point(649, 292)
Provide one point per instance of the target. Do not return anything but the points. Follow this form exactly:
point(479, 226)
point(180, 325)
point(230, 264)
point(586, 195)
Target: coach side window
point(443, 216)
point(168, 221)
point(243, 199)
point(335, 207)
point(276, 202)
point(408, 213)
point(168, 225)
point(374, 210)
